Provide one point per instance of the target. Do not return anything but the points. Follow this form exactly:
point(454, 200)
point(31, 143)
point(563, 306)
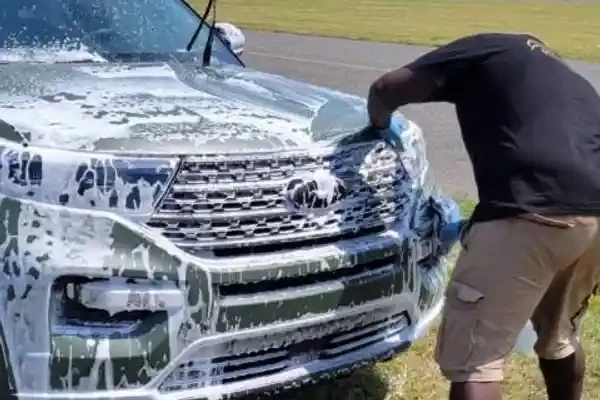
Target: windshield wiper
point(206, 53)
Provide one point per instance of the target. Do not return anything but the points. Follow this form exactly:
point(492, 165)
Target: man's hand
point(392, 134)
point(379, 112)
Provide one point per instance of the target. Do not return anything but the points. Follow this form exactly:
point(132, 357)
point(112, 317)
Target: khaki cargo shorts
point(543, 268)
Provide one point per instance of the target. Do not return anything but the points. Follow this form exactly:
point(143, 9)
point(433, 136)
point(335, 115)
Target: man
point(531, 127)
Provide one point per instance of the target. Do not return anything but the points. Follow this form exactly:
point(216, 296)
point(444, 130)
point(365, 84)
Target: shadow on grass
point(363, 384)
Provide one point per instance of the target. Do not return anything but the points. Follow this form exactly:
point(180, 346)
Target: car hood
point(169, 108)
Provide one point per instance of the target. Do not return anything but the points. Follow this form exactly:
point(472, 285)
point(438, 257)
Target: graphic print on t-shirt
point(535, 44)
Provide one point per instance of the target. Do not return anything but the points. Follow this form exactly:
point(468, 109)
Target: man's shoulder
point(491, 43)
point(496, 39)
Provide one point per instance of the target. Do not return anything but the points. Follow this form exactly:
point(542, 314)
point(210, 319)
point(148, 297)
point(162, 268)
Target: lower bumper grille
point(200, 371)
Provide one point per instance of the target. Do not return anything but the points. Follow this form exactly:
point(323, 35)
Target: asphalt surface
point(351, 66)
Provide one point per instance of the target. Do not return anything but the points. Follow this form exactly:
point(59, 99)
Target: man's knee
point(466, 351)
point(456, 372)
point(549, 349)
point(460, 361)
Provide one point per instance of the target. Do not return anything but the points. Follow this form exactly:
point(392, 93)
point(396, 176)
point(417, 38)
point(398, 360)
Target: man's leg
point(561, 358)
point(557, 320)
point(475, 390)
point(564, 377)
point(505, 268)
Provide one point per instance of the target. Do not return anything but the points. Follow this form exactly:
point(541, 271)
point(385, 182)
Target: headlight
point(376, 183)
point(128, 185)
point(414, 154)
point(395, 163)
point(381, 164)
point(387, 172)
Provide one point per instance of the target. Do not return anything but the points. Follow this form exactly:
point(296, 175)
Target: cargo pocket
point(456, 340)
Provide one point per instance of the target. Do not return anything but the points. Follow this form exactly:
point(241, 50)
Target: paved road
point(351, 66)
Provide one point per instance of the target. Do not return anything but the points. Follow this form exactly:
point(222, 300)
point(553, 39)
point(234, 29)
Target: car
point(176, 225)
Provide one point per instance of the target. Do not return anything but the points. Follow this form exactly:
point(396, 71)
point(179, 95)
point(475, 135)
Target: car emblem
point(318, 191)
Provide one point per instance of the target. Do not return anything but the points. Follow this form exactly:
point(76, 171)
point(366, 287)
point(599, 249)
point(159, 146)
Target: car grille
point(199, 371)
point(235, 204)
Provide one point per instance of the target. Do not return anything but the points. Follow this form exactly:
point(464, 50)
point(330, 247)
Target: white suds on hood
point(49, 55)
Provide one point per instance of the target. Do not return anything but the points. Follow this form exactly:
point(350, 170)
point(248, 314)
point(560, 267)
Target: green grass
point(466, 206)
point(572, 29)
point(415, 376)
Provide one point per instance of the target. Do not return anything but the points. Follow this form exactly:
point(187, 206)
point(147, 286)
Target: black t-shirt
point(530, 124)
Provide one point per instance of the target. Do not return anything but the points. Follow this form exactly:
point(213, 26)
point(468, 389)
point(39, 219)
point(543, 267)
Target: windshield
point(108, 27)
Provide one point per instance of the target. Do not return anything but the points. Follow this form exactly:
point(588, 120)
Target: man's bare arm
point(397, 88)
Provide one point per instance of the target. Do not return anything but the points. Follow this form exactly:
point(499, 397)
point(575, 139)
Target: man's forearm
point(395, 89)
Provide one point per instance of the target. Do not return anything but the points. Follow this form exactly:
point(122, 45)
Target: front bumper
point(394, 340)
point(144, 364)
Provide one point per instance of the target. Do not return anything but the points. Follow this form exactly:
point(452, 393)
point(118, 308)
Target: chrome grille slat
point(218, 178)
point(199, 377)
point(257, 239)
point(261, 369)
point(360, 332)
point(224, 187)
point(215, 203)
point(239, 169)
point(340, 349)
point(351, 205)
point(233, 361)
point(254, 211)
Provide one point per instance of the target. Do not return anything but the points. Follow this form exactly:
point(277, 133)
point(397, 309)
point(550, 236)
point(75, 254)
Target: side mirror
point(232, 36)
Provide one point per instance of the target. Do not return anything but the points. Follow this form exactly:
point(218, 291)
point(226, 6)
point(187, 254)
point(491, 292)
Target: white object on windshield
point(233, 35)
